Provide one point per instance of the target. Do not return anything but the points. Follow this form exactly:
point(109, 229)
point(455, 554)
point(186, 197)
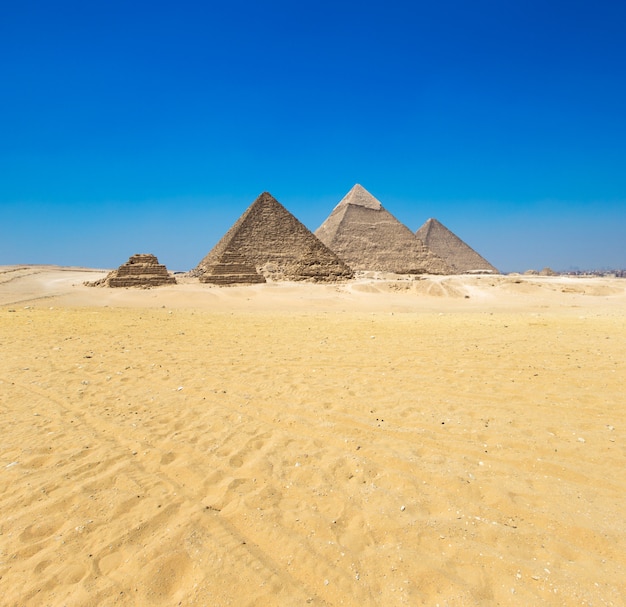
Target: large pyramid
point(367, 237)
point(267, 241)
point(452, 249)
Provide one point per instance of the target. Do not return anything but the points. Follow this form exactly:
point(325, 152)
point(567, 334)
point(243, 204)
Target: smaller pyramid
point(141, 270)
point(368, 237)
point(267, 241)
point(547, 271)
point(453, 250)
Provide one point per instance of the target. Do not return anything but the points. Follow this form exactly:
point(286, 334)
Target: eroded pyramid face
point(141, 270)
point(268, 238)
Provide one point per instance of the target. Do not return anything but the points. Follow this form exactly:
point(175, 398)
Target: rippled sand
point(451, 441)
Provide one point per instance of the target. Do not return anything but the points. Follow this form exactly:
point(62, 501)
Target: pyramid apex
point(264, 196)
point(265, 199)
point(360, 197)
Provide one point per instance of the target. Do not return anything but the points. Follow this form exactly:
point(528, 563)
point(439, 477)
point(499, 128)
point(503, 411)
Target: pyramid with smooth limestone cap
point(368, 237)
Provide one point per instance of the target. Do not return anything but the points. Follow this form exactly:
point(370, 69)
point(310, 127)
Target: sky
point(149, 127)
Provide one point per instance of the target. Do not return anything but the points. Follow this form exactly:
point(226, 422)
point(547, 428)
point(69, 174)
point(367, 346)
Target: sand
point(446, 441)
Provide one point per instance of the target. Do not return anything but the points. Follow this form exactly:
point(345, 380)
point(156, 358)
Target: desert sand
point(444, 441)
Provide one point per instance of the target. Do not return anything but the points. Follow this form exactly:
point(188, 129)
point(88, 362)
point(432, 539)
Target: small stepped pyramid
point(141, 270)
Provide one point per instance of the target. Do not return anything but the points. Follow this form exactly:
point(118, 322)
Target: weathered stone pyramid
point(267, 241)
point(141, 270)
point(367, 237)
point(453, 250)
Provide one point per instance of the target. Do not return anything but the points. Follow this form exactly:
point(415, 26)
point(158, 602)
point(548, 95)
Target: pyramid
point(453, 250)
point(267, 241)
point(141, 270)
point(367, 237)
point(232, 268)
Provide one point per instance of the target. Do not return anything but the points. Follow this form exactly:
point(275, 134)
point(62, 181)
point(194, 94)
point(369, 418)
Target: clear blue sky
point(131, 127)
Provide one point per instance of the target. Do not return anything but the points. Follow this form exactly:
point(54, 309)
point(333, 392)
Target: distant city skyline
point(150, 129)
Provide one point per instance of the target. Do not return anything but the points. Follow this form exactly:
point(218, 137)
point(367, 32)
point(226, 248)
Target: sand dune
point(450, 440)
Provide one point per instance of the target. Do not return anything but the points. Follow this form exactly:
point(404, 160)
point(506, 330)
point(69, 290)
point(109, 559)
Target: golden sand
point(455, 441)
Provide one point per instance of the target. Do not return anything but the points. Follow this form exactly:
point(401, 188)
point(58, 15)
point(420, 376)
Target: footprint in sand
point(38, 531)
point(167, 458)
point(72, 574)
point(236, 461)
point(109, 563)
point(166, 575)
point(42, 566)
